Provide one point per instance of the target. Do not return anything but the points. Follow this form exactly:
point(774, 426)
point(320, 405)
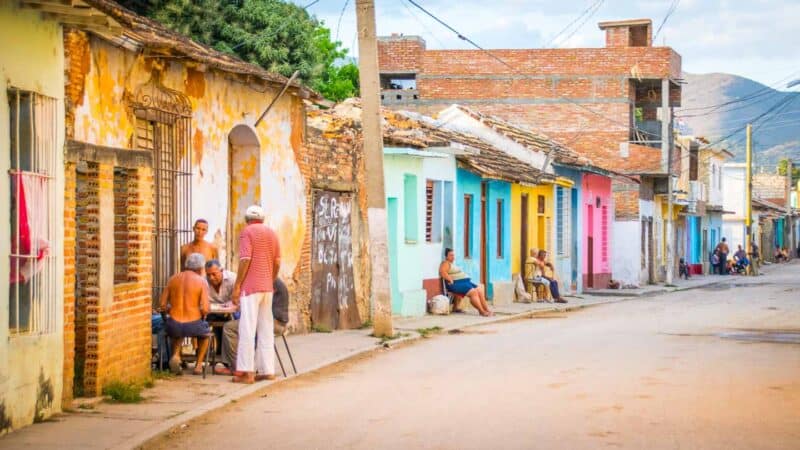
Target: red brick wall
point(332, 159)
point(400, 53)
point(626, 200)
point(69, 282)
point(618, 37)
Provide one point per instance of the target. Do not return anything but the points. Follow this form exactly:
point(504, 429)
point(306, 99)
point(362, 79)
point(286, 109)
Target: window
point(499, 229)
point(540, 204)
point(604, 233)
point(163, 126)
point(467, 226)
point(564, 217)
point(32, 281)
point(433, 211)
point(410, 208)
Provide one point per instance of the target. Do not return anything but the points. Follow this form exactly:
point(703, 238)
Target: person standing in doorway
point(723, 250)
point(259, 263)
point(199, 244)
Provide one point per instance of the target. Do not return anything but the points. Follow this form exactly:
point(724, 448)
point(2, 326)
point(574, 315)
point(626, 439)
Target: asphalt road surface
point(713, 368)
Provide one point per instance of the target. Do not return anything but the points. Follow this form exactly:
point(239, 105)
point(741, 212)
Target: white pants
point(256, 349)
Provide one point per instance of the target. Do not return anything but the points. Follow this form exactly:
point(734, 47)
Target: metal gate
point(163, 126)
point(333, 303)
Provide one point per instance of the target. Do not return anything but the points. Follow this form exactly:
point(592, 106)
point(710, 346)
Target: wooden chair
point(534, 287)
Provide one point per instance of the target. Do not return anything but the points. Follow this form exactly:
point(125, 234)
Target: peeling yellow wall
point(219, 103)
point(31, 369)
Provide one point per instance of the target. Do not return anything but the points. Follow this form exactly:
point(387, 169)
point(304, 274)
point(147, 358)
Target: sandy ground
point(701, 369)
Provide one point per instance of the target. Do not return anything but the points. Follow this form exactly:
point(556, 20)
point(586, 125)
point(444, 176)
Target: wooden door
point(524, 230)
point(333, 304)
point(484, 212)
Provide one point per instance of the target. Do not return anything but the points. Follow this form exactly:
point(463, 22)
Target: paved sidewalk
point(174, 402)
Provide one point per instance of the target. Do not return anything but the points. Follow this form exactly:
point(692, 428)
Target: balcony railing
point(394, 96)
point(647, 132)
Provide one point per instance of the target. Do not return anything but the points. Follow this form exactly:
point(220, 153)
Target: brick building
point(606, 103)
point(161, 131)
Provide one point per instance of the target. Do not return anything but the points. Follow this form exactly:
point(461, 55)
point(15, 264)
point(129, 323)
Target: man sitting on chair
point(544, 264)
point(186, 300)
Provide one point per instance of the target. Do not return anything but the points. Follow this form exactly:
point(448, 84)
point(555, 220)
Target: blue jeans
point(553, 287)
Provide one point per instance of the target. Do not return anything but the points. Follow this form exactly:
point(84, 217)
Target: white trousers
point(256, 349)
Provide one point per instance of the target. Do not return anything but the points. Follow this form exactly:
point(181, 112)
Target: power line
point(671, 10)
point(757, 93)
point(460, 36)
point(411, 12)
point(582, 23)
point(339, 23)
point(563, 30)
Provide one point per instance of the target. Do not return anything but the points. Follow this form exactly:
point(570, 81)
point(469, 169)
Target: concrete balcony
point(399, 96)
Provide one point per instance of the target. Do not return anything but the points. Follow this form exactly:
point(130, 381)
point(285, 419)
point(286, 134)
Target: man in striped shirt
point(259, 263)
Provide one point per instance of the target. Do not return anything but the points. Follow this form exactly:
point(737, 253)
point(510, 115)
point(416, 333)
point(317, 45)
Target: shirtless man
point(186, 300)
point(199, 244)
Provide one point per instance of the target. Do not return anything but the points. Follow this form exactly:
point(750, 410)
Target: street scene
point(399, 224)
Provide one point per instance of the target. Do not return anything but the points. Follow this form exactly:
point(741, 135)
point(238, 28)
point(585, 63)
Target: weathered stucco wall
point(30, 365)
point(219, 103)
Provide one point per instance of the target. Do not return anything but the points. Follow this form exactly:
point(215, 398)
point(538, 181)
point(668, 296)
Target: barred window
point(604, 233)
point(563, 214)
point(32, 289)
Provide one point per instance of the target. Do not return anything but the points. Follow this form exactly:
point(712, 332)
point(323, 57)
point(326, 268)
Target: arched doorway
point(244, 185)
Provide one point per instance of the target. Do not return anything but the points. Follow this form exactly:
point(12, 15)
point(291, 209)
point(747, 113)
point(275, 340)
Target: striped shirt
point(260, 245)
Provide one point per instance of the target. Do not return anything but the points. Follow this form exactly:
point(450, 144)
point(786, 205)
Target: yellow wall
point(219, 103)
point(533, 220)
point(31, 59)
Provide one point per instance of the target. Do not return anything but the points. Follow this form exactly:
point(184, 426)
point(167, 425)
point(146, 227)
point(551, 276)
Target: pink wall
point(594, 186)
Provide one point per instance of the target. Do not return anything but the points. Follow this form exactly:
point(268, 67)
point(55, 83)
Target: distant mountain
point(736, 101)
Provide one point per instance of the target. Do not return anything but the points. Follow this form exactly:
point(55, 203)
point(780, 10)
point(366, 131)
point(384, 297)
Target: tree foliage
point(278, 36)
point(783, 165)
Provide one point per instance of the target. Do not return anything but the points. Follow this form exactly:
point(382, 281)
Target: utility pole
point(380, 298)
point(748, 192)
point(666, 148)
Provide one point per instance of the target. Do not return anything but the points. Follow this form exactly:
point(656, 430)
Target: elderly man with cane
point(259, 263)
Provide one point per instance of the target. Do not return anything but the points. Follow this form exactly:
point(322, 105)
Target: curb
point(137, 441)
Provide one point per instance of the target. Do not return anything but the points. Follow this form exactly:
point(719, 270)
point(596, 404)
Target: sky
point(757, 39)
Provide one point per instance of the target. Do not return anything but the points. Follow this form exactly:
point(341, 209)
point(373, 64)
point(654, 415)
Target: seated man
point(230, 331)
point(740, 258)
point(545, 264)
point(533, 273)
point(185, 298)
point(220, 283)
point(779, 255)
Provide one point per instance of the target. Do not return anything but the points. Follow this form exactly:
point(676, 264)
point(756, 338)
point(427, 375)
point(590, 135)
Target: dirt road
point(715, 368)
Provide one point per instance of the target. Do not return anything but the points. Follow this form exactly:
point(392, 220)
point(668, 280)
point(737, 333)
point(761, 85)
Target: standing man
point(754, 255)
point(199, 244)
point(259, 264)
point(723, 249)
point(186, 300)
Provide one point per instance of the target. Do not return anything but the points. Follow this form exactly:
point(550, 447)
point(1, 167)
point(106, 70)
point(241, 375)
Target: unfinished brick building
point(605, 102)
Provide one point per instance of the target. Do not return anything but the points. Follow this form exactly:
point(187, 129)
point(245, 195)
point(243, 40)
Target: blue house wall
point(569, 267)
point(498, 239)
point(468, 184)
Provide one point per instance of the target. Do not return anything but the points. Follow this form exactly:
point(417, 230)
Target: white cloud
point(758, 41)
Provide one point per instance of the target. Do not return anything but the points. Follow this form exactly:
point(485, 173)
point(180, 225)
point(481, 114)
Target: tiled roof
point(406, 129)
point(534, 141)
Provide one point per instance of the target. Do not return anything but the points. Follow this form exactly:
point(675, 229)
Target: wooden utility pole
point(748, 190)
point(380, 298)
point(666, 148)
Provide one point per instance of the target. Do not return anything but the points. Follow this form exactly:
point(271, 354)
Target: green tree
point(783, 164)
point(278, 36)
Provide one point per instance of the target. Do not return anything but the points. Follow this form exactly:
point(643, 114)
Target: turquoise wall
point(498, 239)
point(570, 267)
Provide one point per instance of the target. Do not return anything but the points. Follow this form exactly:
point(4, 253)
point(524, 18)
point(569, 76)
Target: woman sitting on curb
point(458, 282)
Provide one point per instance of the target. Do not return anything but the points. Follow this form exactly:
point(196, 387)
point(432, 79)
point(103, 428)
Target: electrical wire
point(671, 10)
point(422, 24)
point(339, 23)
point(576, 19)
point(582, 23)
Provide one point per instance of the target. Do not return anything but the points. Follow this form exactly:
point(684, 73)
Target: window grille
point(121, 231)
point(34, 161)
point(163, 126)
point(563, 213)
point(429, 211)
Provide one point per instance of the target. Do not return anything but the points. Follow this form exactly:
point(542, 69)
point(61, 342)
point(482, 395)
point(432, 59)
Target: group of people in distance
point(458, 282)
point(248, 339)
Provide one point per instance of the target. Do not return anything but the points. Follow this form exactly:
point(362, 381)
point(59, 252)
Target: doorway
point(484, 212)
point(244, 186)
point(333, 303)
point(590, 246)
point(524, 236)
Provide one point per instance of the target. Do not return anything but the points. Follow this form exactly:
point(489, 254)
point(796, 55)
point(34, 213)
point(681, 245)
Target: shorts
point(461, 287)
point(175, 329)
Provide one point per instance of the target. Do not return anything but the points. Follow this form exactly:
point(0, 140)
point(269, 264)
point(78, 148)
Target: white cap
point(254, 212)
